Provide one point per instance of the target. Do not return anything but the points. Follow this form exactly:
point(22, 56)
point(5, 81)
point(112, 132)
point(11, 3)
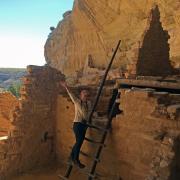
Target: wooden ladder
point(104, 130)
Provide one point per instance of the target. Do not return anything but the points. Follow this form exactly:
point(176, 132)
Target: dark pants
point(80, 132)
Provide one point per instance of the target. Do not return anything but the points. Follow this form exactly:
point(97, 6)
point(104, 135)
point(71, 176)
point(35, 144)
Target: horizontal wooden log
point(149, 83)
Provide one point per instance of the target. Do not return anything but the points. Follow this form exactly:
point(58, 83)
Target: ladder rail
point(100, 148)
point(68, 172)
point(102, 83)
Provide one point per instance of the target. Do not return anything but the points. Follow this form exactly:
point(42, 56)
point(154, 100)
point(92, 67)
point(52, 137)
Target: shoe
point(79, 164)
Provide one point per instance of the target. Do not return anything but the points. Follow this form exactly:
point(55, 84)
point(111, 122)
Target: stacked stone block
point(148, 135)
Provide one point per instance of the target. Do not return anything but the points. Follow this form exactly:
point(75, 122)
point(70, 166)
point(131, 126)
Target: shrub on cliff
point(15, 89)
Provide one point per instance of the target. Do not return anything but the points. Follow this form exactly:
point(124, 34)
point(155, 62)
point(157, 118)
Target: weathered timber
point(149, 83)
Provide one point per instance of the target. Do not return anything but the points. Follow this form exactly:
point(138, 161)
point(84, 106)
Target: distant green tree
point(15, 89)
point(12, 90)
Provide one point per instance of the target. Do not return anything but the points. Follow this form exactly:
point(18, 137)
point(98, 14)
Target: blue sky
point(24, 27)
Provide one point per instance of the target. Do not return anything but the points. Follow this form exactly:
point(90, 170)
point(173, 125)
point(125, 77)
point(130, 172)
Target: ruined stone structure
point(30, 142)
point(143, 142)
point(151, 134)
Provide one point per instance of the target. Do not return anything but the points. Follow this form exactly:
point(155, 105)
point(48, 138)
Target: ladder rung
point(94, 142)
point(92, 175)
point(89, 156)
point(96, 127)
point(87, 171)
point(86, 155)
point(62, 177)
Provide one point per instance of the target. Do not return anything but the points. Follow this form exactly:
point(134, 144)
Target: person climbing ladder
point(82, 109)
point(86, 115)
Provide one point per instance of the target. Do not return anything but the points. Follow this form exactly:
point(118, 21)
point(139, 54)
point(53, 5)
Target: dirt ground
point(49, 173)
point(42, 175)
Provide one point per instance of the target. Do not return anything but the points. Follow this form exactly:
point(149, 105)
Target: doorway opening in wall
point(176, 163)
point(113, 106)
point(154, 52)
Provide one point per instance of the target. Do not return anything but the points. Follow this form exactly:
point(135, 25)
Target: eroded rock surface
point(94, 27)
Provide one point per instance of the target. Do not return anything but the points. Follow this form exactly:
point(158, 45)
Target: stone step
point(3, 143)
point(3, 138)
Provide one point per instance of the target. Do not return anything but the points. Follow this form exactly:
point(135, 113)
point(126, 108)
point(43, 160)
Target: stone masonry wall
point(143, 143)
point(7, 105)
point(30, 142)
point(148, 131)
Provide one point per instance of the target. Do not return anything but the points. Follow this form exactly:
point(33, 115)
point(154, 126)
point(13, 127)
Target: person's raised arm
point(71, 95)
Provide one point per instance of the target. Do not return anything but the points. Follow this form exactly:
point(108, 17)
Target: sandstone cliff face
point(94, 27)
